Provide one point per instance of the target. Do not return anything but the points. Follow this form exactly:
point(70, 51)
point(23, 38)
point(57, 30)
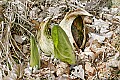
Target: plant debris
point(99, 60)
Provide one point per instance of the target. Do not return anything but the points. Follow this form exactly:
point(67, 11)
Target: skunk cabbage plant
point(73, 25)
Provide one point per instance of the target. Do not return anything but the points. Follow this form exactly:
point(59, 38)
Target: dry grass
point(15, 31)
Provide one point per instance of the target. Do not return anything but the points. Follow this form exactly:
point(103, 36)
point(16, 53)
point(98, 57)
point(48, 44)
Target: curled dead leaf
point(36, 24)
point(90, 70)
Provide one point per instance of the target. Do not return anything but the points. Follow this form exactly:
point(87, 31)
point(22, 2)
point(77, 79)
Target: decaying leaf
point(36, 23)
point(11, 76)
point(115, 3)
point(20, 39)
point(79, 72)
point(88, 52)
point(73, 25)
point(93, 51)
point(97, 37)
point(34, 54)
point(1, 13)
point(16, 73)
point(89, 69)
point(62, 47)
point(61, 68)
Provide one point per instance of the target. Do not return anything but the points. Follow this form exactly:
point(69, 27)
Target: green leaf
point(34, 55)
point(62, 46)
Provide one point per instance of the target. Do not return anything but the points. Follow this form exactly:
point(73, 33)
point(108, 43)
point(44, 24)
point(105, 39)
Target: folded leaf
point(62, 47)
point(34, 55)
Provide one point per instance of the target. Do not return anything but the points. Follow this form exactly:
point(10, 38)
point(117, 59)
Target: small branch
point(2, 24)
point(14, 48)
point(24, 29)
point(23, 19)
point(2, 45)
point(18, 47)
point(96, 70)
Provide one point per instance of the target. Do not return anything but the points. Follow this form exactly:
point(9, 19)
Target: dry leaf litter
point(100, 59)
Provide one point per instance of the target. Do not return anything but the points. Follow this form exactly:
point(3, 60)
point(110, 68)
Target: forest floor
point(100, 59)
